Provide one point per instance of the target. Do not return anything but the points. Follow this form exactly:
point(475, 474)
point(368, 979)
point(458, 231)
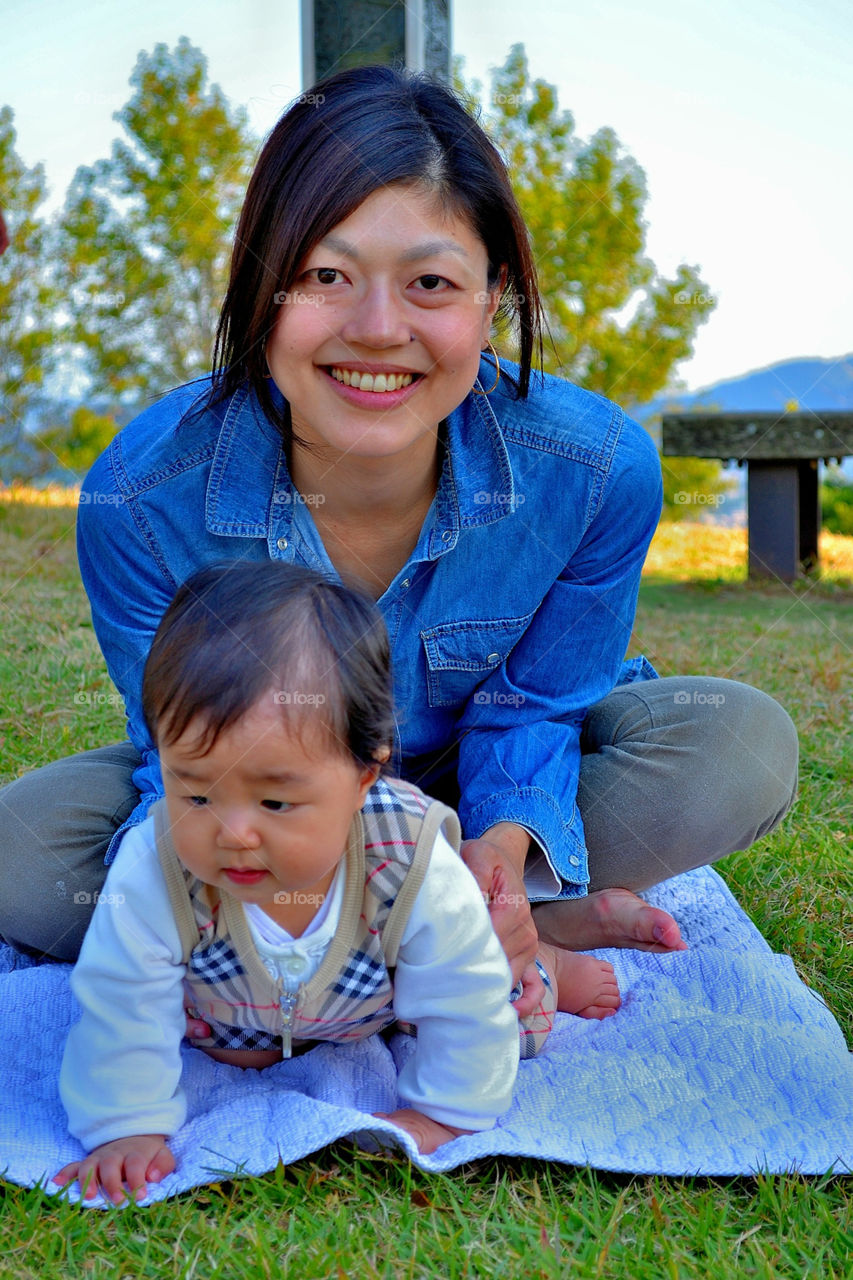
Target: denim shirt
point(508, 620)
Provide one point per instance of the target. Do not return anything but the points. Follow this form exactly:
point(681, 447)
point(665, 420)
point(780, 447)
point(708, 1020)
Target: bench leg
point(809, 514)
point(773, 492)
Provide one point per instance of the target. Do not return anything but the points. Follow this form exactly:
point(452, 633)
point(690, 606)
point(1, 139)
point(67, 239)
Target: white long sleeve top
point(121, 1070)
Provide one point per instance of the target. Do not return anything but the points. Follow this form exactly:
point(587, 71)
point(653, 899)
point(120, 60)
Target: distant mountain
point(814, 384)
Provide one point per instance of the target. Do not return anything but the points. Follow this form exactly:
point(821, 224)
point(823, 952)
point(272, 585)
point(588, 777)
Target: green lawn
point(344, 1214)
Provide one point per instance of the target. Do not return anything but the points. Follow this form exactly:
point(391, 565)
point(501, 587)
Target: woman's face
point(379, 337)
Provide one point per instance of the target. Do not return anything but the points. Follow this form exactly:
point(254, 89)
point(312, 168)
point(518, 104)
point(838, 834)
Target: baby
point(284, 889)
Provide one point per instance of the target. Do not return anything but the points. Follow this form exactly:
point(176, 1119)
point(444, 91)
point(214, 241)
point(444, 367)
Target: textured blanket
point(720, 1061)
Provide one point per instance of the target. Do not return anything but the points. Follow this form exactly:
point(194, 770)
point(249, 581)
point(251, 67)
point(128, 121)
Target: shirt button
point(294, 965)
point(447, 535)
point(407, 582)
point(574, 861)
point(493, 657)
point(282, 544)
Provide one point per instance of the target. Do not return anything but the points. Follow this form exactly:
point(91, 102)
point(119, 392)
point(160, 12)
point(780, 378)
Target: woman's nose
point(377, 319)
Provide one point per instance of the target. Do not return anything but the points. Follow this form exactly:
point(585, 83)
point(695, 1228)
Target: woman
point(500, 518)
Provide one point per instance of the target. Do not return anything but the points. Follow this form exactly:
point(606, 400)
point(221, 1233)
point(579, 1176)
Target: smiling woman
point(388, 343)
point(499, 517)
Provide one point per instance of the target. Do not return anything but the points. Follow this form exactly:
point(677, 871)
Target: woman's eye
point(326, 275)
point(433, 284)
point(275, 806)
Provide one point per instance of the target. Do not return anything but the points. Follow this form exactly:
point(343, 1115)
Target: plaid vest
point(350, 995)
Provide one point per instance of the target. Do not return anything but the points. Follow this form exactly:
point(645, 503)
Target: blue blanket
point(720, 1061)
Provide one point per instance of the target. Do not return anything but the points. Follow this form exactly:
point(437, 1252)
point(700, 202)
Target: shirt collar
point(247, 470)
point(250, 488)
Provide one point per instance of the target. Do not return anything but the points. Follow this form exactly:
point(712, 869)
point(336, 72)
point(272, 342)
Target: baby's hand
point(134, 1161)
point(427, 1133)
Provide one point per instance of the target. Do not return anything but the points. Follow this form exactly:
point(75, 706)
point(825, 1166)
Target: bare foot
point(607, 918)
point(585, 986)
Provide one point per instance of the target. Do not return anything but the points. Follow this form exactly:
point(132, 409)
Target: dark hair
point(240, 630)
point(357, 131)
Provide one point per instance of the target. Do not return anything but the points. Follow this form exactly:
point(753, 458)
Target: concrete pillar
point(349, 33)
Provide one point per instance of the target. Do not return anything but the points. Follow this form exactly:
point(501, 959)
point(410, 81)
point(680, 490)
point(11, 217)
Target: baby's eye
point(197, 801)
point(275, 806)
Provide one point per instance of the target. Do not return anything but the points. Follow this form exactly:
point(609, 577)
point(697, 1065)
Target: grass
point(346, 1214)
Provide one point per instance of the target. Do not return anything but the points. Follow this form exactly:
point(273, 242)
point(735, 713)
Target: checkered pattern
point(227, 1037)
point(534, 1030)
point(216, 963)
point(245, 1012)
point(362, 976)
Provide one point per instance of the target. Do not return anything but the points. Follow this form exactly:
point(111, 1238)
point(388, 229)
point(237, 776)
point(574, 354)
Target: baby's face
point(265, 813)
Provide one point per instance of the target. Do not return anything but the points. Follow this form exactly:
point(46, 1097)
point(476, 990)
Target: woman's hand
point(427, 1133)
point(133, 1161)
point(496, 861)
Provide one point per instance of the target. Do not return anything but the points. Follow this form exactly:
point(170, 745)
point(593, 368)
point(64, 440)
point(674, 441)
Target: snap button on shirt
point(295, 964)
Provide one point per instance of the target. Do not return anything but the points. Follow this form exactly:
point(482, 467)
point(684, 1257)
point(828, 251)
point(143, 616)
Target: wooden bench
point(781, 453)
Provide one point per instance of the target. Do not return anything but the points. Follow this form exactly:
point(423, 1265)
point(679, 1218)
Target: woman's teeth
point(372, 381)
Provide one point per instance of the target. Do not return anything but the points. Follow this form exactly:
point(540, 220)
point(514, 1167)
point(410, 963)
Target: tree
point(615, 325)
point(27, 302)
point(836, 502)
point(76, 446)
point(145, 234)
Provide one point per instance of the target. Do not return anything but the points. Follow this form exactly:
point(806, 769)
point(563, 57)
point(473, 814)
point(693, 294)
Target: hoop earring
point(497, 373)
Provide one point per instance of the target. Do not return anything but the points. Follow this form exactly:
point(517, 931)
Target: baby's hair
point(241, 630)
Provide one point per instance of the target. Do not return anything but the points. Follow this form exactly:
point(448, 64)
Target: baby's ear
point(369, 774)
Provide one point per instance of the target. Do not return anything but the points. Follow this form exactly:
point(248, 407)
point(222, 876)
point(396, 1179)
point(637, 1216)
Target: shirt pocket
point(460, 655)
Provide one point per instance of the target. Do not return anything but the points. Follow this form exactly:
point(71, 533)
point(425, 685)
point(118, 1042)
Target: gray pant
point(675, 773)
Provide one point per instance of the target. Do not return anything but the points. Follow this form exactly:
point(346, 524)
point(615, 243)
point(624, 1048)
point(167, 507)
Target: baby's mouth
point(244, 875)
point(376, 382)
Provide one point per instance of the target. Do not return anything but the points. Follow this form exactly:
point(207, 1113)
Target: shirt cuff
point(559, 868)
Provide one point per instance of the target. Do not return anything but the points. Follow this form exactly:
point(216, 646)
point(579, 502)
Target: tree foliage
point(76, 446)
point(27, 301)
point(836, 502)
point(616, 325)
point(145, 233)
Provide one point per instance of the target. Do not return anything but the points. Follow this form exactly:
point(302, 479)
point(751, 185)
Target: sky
point(739, 112)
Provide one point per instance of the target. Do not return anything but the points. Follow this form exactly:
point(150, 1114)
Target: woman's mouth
point(375, 382)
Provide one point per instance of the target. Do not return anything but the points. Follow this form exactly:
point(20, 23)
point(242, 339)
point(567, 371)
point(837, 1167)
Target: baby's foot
point(585, 986)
